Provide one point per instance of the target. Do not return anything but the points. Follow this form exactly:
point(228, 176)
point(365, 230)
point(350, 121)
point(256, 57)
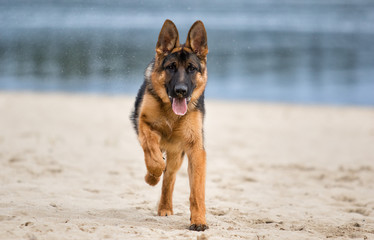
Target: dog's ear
point(197, 39)
point(168, 39)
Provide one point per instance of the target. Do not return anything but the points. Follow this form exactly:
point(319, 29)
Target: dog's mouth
point(179, 105)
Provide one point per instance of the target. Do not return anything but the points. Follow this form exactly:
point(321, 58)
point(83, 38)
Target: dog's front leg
point(196, 172)
point(150, 142)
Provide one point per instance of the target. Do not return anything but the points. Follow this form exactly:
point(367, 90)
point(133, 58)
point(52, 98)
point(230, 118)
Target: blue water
point(311, 51)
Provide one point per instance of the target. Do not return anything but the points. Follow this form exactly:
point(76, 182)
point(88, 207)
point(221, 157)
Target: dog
point(169, 113)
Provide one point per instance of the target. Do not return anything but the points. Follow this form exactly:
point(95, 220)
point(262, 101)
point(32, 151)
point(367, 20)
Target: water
point(316, 51)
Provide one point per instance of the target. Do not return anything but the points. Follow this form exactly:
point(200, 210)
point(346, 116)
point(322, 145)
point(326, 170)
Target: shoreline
point(210, 99)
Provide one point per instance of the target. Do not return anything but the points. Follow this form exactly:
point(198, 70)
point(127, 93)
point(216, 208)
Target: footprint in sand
point(362, 211)
point(218, 212)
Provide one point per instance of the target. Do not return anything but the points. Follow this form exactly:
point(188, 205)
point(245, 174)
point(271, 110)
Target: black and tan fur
point(177, 73)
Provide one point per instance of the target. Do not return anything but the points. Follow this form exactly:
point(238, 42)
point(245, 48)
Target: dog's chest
point(169, 129)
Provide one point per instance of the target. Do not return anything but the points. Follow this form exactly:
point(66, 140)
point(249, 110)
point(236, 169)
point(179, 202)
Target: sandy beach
point(72, 168)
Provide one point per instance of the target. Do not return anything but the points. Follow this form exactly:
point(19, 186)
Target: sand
point(71, 168)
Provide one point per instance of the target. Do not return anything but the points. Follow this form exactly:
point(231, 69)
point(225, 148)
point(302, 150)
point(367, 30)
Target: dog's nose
point(181, 90)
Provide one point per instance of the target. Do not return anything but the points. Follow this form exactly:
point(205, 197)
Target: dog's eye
point(171, 67)
point(191, 69)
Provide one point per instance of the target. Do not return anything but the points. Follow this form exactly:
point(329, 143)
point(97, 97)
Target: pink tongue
point(179, 106)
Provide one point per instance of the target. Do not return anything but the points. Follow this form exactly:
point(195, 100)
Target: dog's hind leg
point(173, 163)
point(150, 141)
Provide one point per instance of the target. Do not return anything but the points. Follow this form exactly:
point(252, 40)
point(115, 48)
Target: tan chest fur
point(176, 132)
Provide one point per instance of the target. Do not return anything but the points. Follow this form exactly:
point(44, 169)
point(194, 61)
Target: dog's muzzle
point(179, 103)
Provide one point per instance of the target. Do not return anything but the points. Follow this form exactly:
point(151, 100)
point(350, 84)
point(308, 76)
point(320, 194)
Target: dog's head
point(180, 73)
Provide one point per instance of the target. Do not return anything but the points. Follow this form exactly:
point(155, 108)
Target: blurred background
point(300, 51)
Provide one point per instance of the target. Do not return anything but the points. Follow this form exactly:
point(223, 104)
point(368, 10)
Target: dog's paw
point(198, 227)
point(155, 166)
point(165, 212)
point(151, 179)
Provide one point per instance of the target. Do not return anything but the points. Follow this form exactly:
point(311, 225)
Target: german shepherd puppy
point(169, 113)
